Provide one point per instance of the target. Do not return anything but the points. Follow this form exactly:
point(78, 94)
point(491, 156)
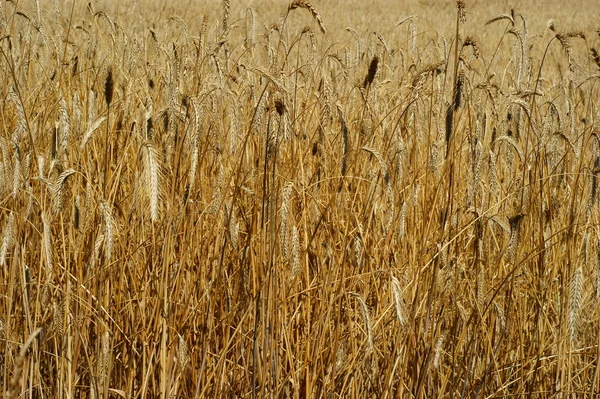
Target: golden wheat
point(395, 208)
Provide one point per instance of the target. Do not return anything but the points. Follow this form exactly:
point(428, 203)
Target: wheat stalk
point(47, 244)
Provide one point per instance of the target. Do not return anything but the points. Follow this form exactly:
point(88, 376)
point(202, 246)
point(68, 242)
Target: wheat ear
point(312, 10)
point(18, 367)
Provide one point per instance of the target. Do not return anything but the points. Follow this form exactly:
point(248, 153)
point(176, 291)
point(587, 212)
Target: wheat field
point(296, 199)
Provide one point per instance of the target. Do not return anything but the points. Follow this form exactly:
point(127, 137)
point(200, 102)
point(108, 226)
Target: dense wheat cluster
point(217, 202)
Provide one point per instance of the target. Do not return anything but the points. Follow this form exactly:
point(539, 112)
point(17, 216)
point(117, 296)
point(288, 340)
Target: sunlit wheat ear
point(306, 5)
point(413, 35)
point(226, 9)
point(3, 19)
point(109, 228)
point(358, 45)
point(366, 320)
point(104, 362)
point(47, 244)
point(92, 123)
point(250, 28)
point(96, 252)
point(217, 194)
point(575, 303)
point(16, 175)
point(194, 142)
point(480, 287)
point(14, 384)
point(58, 318)
point(8, 238)
point(295, 252)
point(586, 248)
point(398, 301)
point(402, 223)
point(151, 178)
point(89, 208)
point(500, 318)
point(64, 126)
point(183, 353)
point(26, 169)
point(92, 127)
point(437, 351)
point(22, 120)
point(565, 42)
point(462, 11)
point(340, 357)
point(380, 160)
point(358, 251)
point(502, 17)
point(57, 190)
point(416, 192)
point(389, 212)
